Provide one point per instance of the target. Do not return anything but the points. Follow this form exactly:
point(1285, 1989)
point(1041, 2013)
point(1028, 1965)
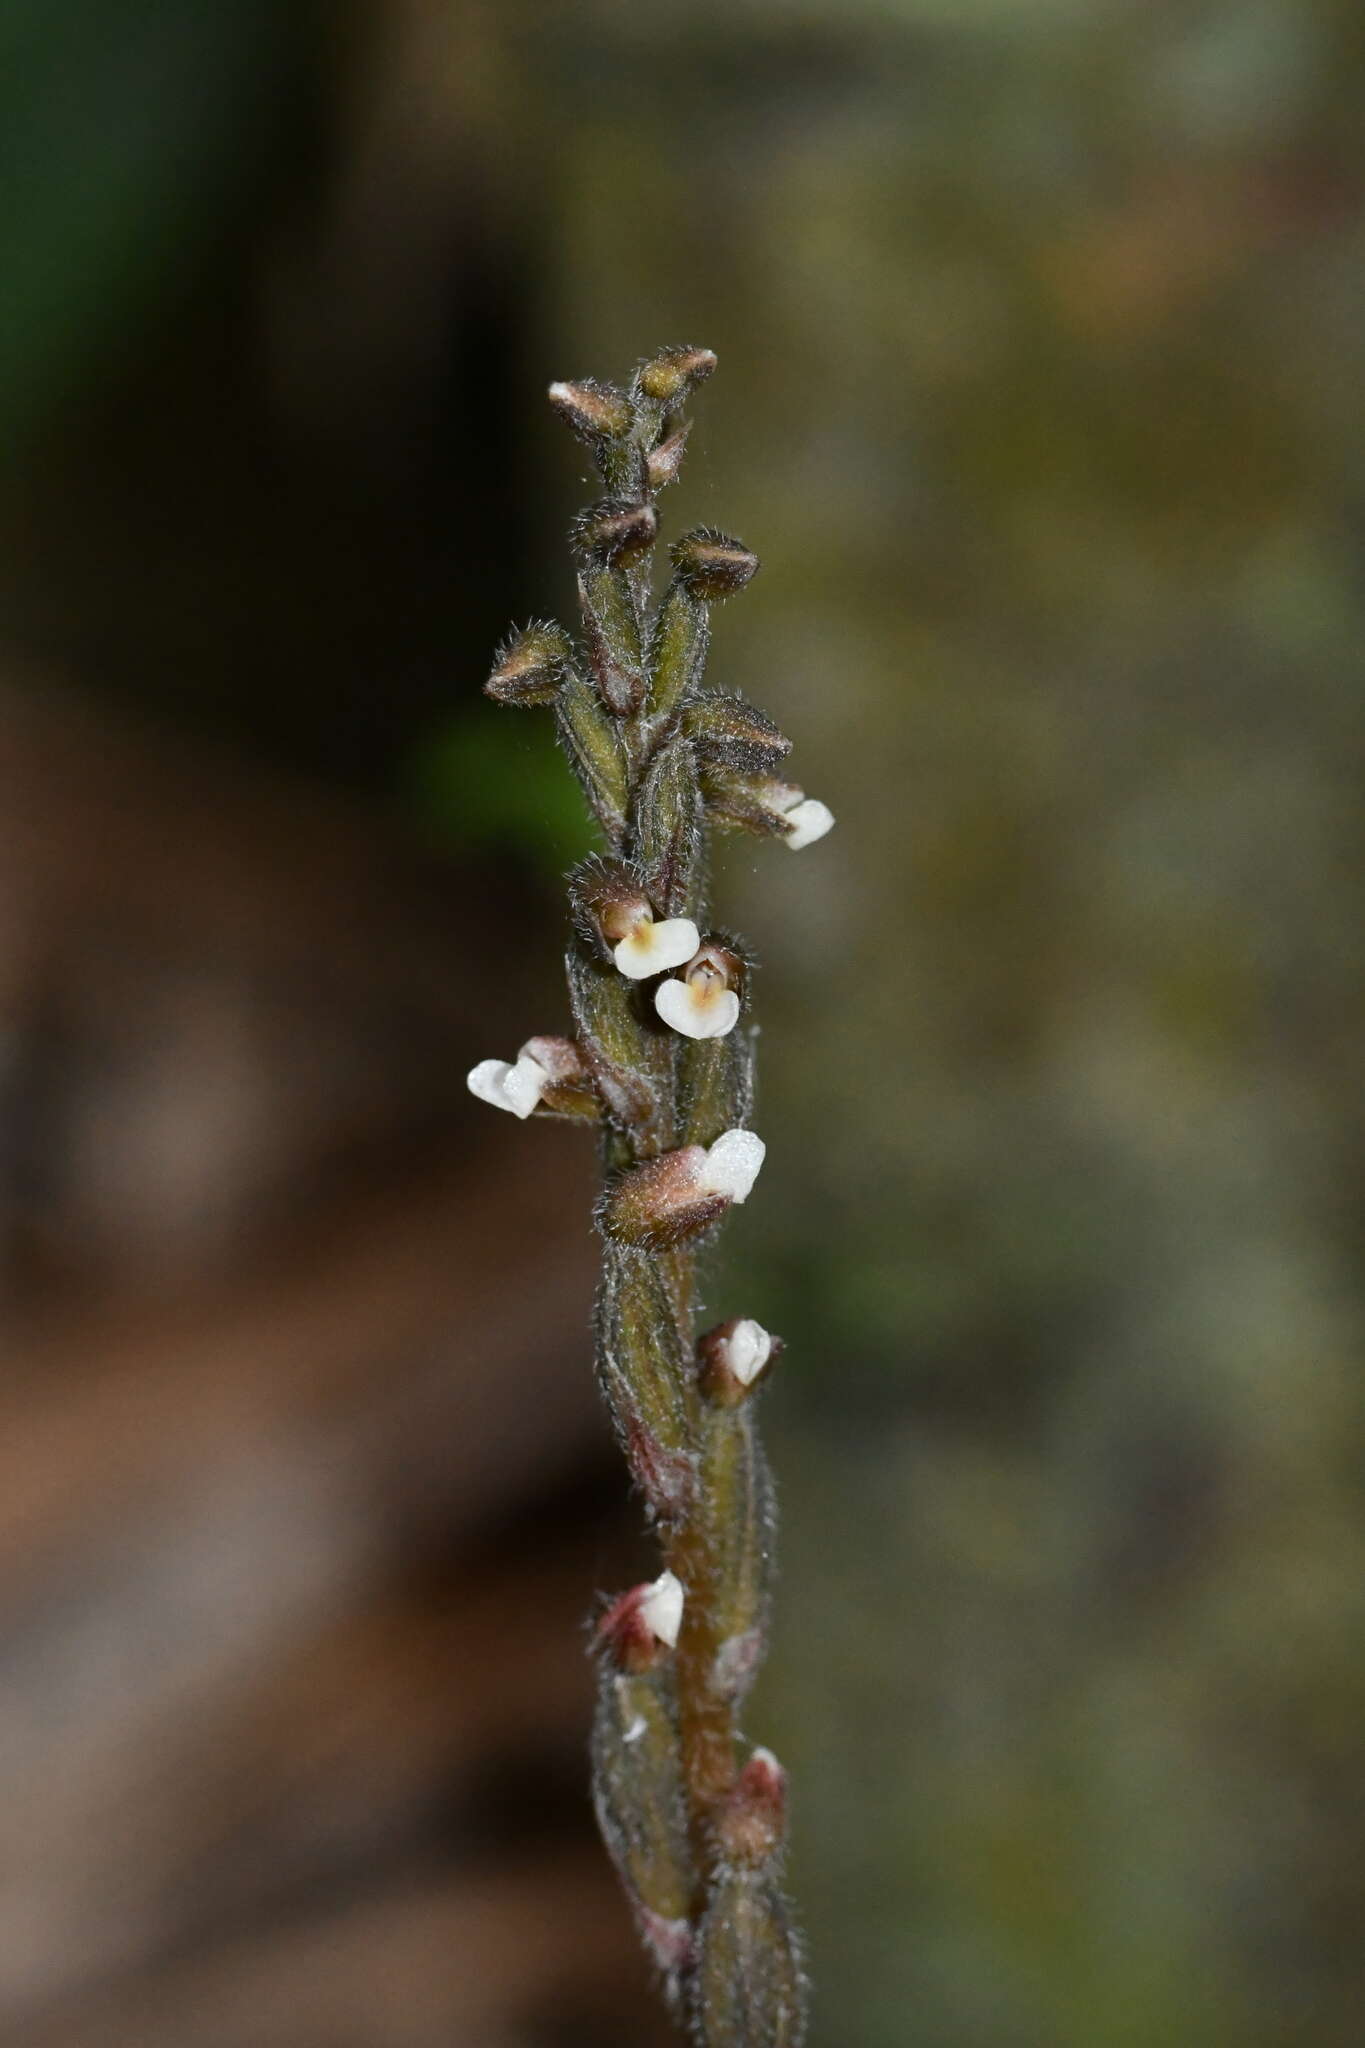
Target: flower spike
point(660, 1056)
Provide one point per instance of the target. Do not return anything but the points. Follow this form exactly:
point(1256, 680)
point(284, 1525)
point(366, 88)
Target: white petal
point(662, 1606)
point(732, 1164)
point(489, 1082)
point(809, 820)
point(695, 1014)
point(525, 1085)
point(516, 1088)
point(748, 1351)
point(653, 948)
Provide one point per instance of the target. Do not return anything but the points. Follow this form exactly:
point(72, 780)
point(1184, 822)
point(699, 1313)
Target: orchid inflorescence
point(661, 1061)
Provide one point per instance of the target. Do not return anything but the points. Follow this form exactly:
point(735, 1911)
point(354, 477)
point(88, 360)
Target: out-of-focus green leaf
point(123, 129)
point(498, 780)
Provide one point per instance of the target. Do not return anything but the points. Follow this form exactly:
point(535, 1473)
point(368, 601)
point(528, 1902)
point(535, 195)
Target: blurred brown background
point(1040, 396)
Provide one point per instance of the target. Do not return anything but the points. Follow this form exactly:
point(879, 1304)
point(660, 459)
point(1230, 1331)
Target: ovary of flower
point(661, 1607)
point(747, 1350)
point(730, 1167)
point(516, 1086)
point(652, 948)
point(700, 1005)
point(807, 819)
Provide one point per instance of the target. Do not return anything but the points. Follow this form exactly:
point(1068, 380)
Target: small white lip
point(732, 1164)
point(807, 821)
point(652, 948)
point(517, 1087)
point(697, 1012)
point(748, 1350)
point(661, 1608)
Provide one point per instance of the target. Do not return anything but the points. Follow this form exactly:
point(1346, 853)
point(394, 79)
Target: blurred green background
point(1040, 395)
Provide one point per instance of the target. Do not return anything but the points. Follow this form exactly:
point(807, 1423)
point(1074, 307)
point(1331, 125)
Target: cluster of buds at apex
point(595, 411)
point(668, 377)
point(614, 530)
point(710, 565)
point(547, 1070)
point(679, 1194)
point(752, 1824)
point(704, 1001)
point(732, 1359)
point(530, 665)
point(641, 1628)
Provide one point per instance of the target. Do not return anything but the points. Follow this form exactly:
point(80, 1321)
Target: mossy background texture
point(1040, 396)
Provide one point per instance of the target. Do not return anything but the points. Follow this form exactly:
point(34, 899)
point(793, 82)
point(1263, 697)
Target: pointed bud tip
point(711, 565)
point(596, 411)
point(614, 530)
point(530, 665)
point(663, 463)
point(753, 1821)
point(668, 376)
point(729, 731)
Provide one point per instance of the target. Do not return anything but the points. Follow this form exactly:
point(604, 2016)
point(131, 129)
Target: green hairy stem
point(661, 1060)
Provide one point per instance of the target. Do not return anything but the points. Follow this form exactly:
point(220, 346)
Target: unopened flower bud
point(733, 1357)
point(703, 1003)
point(595, 411)
point(663, 463)
point(516, 1085)
point(662, 1202)
point(642, 1626)
point(530, 665)
point(753, 1822)
point(711, 565)
point(614, 531)
point(669, 376)
point(732, 732)
point(609, 901)
point(674, 1197)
